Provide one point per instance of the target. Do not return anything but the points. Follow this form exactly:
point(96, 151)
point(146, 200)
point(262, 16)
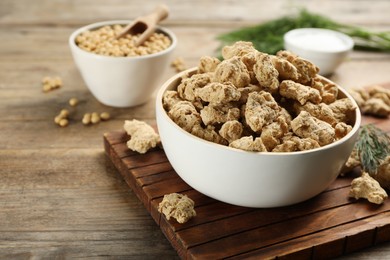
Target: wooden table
point(60, 196)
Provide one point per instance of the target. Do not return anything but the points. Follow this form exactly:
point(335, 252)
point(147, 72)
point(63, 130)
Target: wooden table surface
point(60, 197)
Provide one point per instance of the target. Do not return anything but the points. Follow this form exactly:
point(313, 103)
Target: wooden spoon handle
point(160, 13)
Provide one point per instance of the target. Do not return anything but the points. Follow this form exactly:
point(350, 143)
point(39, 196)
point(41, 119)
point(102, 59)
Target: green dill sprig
point(372, 147)
point(268, 37)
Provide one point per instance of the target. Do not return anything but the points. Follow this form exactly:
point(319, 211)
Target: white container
point(121, 81)
point(252, 179)
point(325, 48)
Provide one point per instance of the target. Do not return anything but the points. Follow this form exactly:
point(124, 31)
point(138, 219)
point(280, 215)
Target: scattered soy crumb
point(178, 64)
point(374, 101)
point(63, 122)
point(142, 136)
point(368, 188)
point(95, 118)
point(86, 119)
point(64, 113)
point(105, 116)
point(73, 102)
point(62, 118)
point(178, 206)
point(51, 83)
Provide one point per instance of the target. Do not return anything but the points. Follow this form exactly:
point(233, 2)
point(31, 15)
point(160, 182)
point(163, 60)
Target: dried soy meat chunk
point(343, 110)
point(244, 92)
point(265, 72)
point(328, 90)
point(219, 113)
point(285, 68)
point(299, 92)
point(247, 143)
point(272, 134)
point(239, 49)
point(368, 188)
point(374, 101)
point(321, 111)
point(208, 64)
point(341, 130)
point(380, 92)
point(185, 115)
point(178, 206)
point(216, 93)
point(170, 98)
point(232, 70)
point(359, 95)
point(307, 126)
point(261, 109)
point(208, 134)
point(285, 147)
point(186, 88)
point(291, 143)
point(142, 136)
point(249, 60)
point(383, 173)
point(304, 144)
point(178, 64)
point(352, 162)
point(375, 106)
point(306, 70)
point(231, 130)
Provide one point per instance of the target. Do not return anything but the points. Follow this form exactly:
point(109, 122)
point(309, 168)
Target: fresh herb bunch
point(372, 147)
point(268, 37)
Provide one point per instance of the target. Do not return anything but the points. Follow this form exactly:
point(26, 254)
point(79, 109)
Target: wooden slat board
point(329, 225)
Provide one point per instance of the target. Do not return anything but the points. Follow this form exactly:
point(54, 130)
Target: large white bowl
point(121, 81)
point(325, 48)
point(252, 179)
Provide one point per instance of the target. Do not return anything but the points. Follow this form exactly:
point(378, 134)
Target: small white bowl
point(325, 48)
point(121, 81)
point(252, 179)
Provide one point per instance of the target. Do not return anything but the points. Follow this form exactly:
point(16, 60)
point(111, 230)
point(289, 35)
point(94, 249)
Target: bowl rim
point(294, 32)
point(75, 33)
point(166, 85)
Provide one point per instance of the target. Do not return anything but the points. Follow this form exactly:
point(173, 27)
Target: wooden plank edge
point(298, 227)
point(330, 243)
point(123, 170)
point(116, 136)
point(172, 230)
point(257, 217)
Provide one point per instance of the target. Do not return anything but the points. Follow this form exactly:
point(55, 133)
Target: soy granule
point(62, 118)
point(73, 102)
point(95, 118)
point(103, 41)
point(178, 64)
point(51, 83)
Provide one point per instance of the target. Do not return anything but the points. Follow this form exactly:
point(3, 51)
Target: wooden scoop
point(145, 25)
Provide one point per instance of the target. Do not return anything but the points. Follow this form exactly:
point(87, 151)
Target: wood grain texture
point(326, 226)
point(60, 196)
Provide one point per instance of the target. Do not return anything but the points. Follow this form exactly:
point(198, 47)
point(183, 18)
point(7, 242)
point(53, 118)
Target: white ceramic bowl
point(121, 81)
point(325, 48)
point(252, 179)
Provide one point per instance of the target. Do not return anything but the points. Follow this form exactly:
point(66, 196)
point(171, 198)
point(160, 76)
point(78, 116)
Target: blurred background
point(198, 23)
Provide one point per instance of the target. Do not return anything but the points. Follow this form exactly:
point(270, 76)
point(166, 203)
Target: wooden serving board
point(329, 225)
